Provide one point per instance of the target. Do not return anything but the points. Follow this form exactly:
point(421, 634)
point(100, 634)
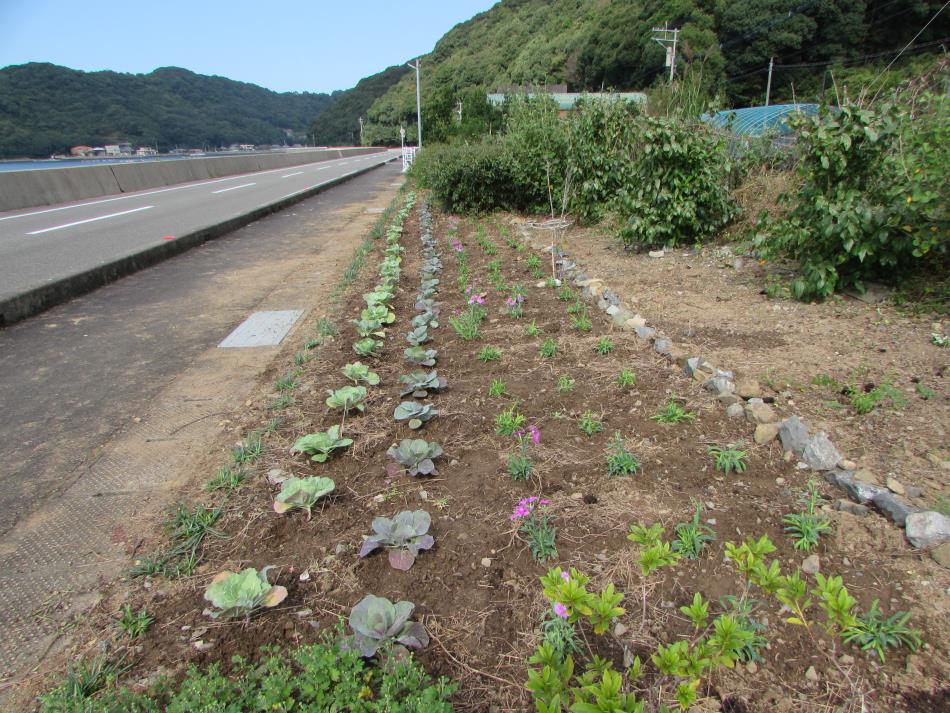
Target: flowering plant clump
point(515, 305)
point(537, 528)
point(457, 246)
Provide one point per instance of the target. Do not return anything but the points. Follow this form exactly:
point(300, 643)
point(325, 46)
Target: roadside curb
point(39, 299)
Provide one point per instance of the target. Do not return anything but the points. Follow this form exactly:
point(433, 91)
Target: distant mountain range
point(46, 109)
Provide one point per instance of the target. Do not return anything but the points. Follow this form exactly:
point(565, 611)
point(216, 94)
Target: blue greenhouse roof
point(756, 120)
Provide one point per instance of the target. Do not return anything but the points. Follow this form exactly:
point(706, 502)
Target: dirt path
point(127, 392)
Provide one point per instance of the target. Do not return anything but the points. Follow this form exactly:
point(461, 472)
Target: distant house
point(125, 148)
point(97, 151)
point(145, 151)
point(81, 151)
point(567, 100)
point(113, 150)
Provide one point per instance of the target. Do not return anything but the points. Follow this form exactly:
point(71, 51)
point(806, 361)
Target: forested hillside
point(45, 109)
point(594, 44)
point(339, 125)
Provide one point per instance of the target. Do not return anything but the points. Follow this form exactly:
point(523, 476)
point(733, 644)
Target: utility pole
point(459, 111)
point(768, 86)
point(667, 37)
point(418, 100)
point(361, 131)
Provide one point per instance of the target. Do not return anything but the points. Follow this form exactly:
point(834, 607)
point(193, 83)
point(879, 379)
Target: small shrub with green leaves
point(548, 348)
point(589, 424)
point(565, 384)
point(626, 379)
point(872, 632)
point(403, 536)
point(672, 412)
point(347, 398)
point(520, 464)
point(357, 372)
point(377, 622)
point(864, 402)
point(566, 294)
point(807, 526)
point(532, 329)
point(729, 459)
point(620, 461)
point(236, 594)
point(302, 493)
point(489, 353)
point(135, 623)
point(604, 346)
point(319, 446)
point(416, 455)
point(498, 388)
point(509, 421)
point(693, 536)
point(654, 552)
point(415, 413)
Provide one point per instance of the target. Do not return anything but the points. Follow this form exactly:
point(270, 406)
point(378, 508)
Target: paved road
point(39, 246)
point(74, 376)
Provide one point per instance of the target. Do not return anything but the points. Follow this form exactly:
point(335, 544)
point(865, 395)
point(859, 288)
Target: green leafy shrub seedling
point(582, 323)
point(620, 461)
point(488, 354)
point(729, 459)
point(509, 421)
point(692, 536)
point(565, 384)
point(807, 526)
point(872, 632)
point(548, 348)
point(589, 424)
point(672, 412)
point(604, 346)
point(626, 379)
point(498, 388)
point(133, 623)
point(532, 329)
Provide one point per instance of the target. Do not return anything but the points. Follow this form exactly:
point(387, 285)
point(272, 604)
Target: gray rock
point(662, 345)
point(636, 321)
point(894, 507)
point(612, 310)
point(794, 434)
point(765, 433)
point(621, 317)
point(811, 565)
point(657, 253)
point(758, 412)
point(728, 399)
point(856, 490)
point(611, 297)
point(941, 555)
point(927, 529)
point(820, 453)
point(719, 385)
point(580, 279)
point(645, 332)
point(855, 509)
point(734, 411)
point(603, 305)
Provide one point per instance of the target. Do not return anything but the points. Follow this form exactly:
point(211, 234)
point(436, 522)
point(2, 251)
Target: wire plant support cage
point(553, 231)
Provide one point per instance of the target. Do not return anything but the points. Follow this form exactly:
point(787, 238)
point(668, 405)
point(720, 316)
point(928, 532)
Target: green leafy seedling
point(729, 459)
point(589, 424)
point(498, 388)
point(548, 348)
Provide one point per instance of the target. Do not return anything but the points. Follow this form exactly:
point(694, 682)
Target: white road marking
point(89, 220)
point(234, 188)
point(142, 194)
point(292, 174)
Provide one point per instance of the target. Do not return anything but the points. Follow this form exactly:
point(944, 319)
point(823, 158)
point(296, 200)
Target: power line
point(919, 33)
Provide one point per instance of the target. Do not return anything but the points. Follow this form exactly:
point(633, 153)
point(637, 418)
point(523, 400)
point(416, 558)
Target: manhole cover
point(262, 329)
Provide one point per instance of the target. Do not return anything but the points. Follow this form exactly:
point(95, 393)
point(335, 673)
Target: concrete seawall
point(51, 186)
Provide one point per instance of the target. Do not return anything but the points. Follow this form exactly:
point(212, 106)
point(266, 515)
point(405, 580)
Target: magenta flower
point(476, 300)
point(510, 302)
point(565, 576)
point(526, 507)
point(561, 610)
point(458, 247)
point(535, 434)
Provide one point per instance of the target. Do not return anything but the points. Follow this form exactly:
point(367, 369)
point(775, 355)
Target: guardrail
point(51, 186)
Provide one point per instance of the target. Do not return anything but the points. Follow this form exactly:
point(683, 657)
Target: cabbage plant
point(358, 372)
point(404, 536)
point(381, 313)
point(302, 493)
point(348, 397)
point(242, 593)
point(421, 381)
point(426, 319)
point(416, 413)
point(419, 335)
point(416, 455)
point(420, 356)
point(367, 346)
point(376, 621)
point(369, 327)
point(320, 445)
point(379, 296)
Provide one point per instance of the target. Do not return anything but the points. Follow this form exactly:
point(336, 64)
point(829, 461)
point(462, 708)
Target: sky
point(293, 45)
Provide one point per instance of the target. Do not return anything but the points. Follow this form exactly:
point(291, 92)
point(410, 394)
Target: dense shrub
point(601, 147)
point(536, 144)
point(316, 677)
point(678, 189)
point(873, 195)
point(468, 178)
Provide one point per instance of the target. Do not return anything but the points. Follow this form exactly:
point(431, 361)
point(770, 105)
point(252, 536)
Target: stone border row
point(924, 529)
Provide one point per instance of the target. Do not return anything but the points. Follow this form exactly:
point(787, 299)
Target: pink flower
point(476, 300)
point(535, 434)
point(561, 610)
point(565, 576)
point(510, 302)
point(527, 506)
